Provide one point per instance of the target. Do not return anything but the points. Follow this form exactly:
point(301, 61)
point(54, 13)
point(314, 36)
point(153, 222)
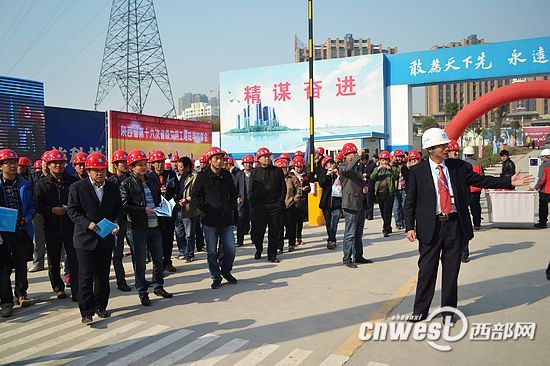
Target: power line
point(72, 38)
point(57, 14)
point(16, 22)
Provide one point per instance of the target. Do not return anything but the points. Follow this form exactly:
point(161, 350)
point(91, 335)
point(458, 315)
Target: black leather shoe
point(386, 234)
point(274, 260)
point(145, 301)
point(363, 260)
point(291, 248)
point(162, 293)
point(124, 287)
point(229, 278)
point(170, 268)
point(350, 265)
point(217, 283)
point(258, 255)
point(61, 294)
point(102, 313)
point(279, 251)
point(87, 320)
point(540, 226)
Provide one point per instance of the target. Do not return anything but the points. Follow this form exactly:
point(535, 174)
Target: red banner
point(537, 133)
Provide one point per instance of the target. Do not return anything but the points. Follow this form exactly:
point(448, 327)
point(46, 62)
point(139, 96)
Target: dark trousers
point(301, 214)
point(385, 202)
point(475, 208)
point(243, 224)
point(544, 198)
point(167, 227)
point(141, 240)
point(289, 221)
point(332, 217)
point(21, 250)
point(199, 236)
point(93, 279)
point(369, 203)
point(263, 215)
point(118, 255)
point(55, 240)
point(6, 296)
point(446, 243)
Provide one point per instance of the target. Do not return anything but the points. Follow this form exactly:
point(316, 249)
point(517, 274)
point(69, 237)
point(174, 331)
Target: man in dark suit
point(436, 213)
point(90, 201)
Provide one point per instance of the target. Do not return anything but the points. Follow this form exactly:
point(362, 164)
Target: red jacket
point(544, 184)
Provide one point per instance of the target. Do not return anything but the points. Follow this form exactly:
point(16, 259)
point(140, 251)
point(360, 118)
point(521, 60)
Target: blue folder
point(105, 227)
point(8, 219)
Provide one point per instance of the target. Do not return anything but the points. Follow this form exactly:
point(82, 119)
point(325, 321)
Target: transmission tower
point(133, 58)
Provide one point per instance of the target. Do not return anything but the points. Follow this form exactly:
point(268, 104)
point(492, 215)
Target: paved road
point(305, 310)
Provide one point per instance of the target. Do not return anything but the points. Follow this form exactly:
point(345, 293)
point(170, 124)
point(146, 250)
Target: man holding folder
point(95, 208)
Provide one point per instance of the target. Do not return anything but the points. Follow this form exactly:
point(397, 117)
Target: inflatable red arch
point(494, 99)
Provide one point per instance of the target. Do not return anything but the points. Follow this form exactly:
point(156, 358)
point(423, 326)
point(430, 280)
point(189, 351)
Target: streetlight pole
point(311, 58)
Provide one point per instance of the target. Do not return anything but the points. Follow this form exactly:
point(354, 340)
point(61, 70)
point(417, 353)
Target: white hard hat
point(433, 137)
point(545, 152)
point(469, 150)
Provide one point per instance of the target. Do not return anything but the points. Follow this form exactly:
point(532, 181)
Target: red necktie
point(443, 190)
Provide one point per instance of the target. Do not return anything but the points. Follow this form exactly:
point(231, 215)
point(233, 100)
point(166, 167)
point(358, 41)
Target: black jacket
point(420, 203)
point(133, 200)
point(84, 207)
point(327, 201)
point(49, 195)
point(167, 179)
point(508, 168)
point(267, 186)
point(216, 197)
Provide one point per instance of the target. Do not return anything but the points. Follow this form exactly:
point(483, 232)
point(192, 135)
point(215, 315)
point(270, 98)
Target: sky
point(60, 42)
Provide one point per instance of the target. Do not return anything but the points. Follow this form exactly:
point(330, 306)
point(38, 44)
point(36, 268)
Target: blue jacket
point(28, 206)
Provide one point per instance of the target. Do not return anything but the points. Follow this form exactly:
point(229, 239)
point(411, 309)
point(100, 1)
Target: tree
point(515, 125)
point(428, 122)
point(451, 109)
point(500, 115)
point(476, 129)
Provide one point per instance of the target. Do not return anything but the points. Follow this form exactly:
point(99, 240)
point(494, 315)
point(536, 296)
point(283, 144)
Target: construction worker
point(293, 197)
point(166, 180)
point(16, 194)
point(436, 214)
point(215, 195)
point(91, 201)
point(331, 199)
point(301, 207)
point(413, 158)
point(354, 189)
point(52, 194)
point(401, 187)
point(187, 213)
point(543, 186)
point(40, 171)
point(317, 160)
point(475, 197)
point(385, 177)
point(174, 162)
point(140, 195)
point(119, 161)
point(79, 161)
point(454, 150)
point(267, 195)
point(24, 167)
point(242, 184)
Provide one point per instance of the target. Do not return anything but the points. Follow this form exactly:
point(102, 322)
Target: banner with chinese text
point(131, 131)
point(269, 106)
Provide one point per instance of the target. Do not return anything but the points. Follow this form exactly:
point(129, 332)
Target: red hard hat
point(320, 150)
point(349, 148)
point(384, 155)
point(398, 152)
point(24, 161)
point(230, 160)
point(203, 159)
point(248, 159)
point(213, 151)
point(56, 155)
point(119, 155)
point(45, 155)
point(340, 155)
point(167, 166)
point(80, 158)
point(262, 151)
point(299, 153)
point(414, 154)
point(174, 159)
point(284, 156)
point(157, 155)
point(7, 154)
point(298, 161)
point(453, 146)
point(325, 160)
point(37, 165)
point(96, 160)
point(281, 163)
point(135, 156)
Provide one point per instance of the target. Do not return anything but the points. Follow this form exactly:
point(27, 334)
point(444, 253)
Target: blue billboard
point(75, 130)
point(484, 61)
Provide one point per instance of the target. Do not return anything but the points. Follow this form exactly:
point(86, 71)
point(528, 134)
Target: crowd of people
point(62, 214)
